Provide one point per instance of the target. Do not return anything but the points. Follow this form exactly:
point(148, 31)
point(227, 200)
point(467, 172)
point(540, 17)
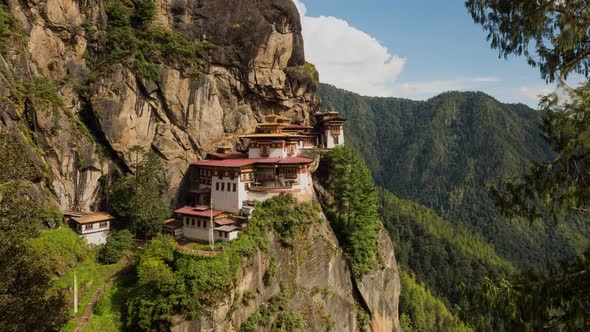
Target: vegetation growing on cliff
point(133, 40)
point(166, 281)
point(353, 212)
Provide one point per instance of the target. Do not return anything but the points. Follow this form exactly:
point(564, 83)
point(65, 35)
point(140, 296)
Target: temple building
point(275, 162)
point(330, 127)
point(92, 226)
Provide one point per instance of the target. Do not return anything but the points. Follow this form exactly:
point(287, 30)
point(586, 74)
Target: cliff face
point(80, 127)
point(179, 116)
point(315, 274)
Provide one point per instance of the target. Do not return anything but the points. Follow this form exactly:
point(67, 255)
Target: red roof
point(223, 156)
point(225, 221)
point(251, 161)
point(295, 126)
point(172, 224)
point(199, 212)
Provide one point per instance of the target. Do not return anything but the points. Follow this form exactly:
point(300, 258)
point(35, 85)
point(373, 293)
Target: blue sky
point(412, 48)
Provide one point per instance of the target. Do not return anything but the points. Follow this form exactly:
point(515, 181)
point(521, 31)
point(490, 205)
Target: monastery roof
point(222, 156)
point(251, 161)
point(227, 228)
point(336, 118)
point(271, 135)
point(297, 127)
point(225, 221)
point(199, 211)
point(88, 217)
point(172, 223)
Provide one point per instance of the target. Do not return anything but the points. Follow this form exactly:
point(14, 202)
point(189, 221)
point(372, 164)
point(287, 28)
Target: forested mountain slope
point(444, 151)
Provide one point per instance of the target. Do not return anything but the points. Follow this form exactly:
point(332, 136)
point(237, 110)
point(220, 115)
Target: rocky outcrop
point(317, 278)
point(180, 117)
point(380, 289)
point(80, 127)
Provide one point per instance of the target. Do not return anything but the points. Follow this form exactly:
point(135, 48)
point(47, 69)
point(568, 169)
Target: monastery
point(224, 185)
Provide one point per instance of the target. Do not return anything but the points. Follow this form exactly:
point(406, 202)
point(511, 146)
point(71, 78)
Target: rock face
point(80, 133)
point(316, 275)
point(180, 117)
point(378, 288)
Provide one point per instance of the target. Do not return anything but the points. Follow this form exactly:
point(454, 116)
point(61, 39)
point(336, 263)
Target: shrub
point(288, 321)
point(115, 247)
point(271, 272)
point(248, 296)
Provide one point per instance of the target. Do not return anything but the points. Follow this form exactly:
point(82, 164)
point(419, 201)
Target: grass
point(201, 246)
point(65, 252)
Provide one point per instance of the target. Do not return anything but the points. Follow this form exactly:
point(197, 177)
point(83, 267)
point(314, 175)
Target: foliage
point(16, 163)
point(115, 247)
point(138, 198)
point(305, 73)
point(441, 256)
point(362, 316)
point(552, 35)
point(43, 94)
point(354, 210)
point(170, 282)
point(560, 32)
point(26, 280)
point(421, 311)
point(562, 183)
point(271, 273)
point(288, 321)
point(248, 296)
point(529, 302)
point(287, 218)
point(10, 30)
point(444, 152)
point(62, 248)
point(276, 304)
point(132, 39)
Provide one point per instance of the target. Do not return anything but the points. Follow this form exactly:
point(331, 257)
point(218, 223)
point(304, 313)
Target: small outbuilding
point(95, 227)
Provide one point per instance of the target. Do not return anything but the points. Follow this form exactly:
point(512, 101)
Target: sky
point(413, 49)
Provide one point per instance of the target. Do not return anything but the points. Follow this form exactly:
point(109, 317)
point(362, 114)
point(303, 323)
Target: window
point(103, 224)
point(336, 140)
point(234, 187)
point(217, 186)
point(185, 221)
point(88, 227)
point(222, 186)
point(264, 151)
point(193, 222)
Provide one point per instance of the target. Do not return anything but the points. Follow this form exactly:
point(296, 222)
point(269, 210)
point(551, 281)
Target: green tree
point(559, 34)
point(552, 35)
point(115, 247)
point(138, 199)
point(27, 300)
point(354, 210)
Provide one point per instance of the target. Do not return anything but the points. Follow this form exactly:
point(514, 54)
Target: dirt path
point(82, 321)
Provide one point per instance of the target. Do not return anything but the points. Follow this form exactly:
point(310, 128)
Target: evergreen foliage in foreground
point(137, 199)
point(353, 212)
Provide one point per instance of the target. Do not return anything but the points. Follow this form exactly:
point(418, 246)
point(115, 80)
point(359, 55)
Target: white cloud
point(534, 93)
point(347, 57)
point(353, 60)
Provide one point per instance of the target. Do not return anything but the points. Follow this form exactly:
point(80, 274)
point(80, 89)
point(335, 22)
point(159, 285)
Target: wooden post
point(75, 293)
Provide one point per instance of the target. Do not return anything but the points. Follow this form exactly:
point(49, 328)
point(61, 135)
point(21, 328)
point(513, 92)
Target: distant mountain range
point(444, 151)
